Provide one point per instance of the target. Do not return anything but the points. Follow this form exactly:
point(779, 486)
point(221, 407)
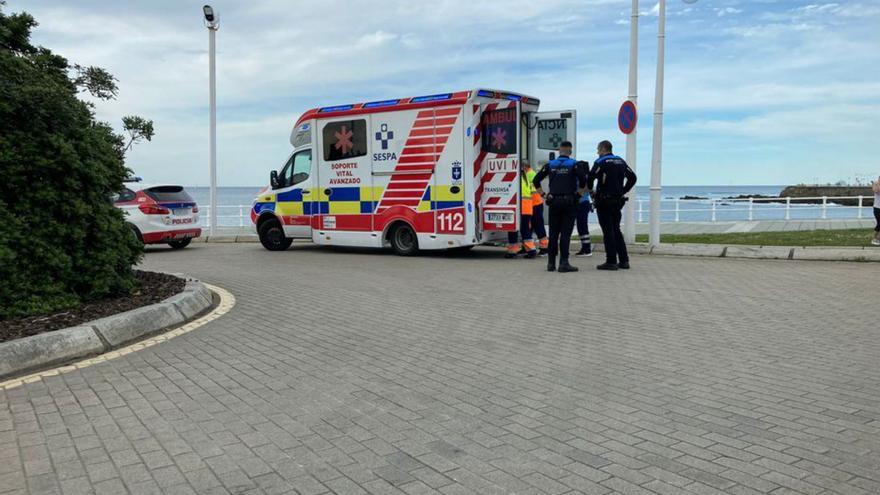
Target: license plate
point(181, 211)
point(499, 217)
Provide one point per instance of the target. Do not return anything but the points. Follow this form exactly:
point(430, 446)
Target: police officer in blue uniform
point(567, 183)
point(613, 179)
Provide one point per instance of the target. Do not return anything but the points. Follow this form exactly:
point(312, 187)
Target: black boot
point(551, 264)
point(564, 267)
point(623, 265)
point(607, 266)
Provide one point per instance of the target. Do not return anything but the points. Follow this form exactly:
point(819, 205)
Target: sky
point(757, 91)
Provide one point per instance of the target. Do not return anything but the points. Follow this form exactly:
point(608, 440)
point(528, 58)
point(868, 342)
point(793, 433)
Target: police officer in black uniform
point(613, 179)
point(567, 183)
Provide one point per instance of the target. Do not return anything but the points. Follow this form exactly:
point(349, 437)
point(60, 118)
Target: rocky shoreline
point(831, 192)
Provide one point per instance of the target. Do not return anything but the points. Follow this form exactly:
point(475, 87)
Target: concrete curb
point(99, 336)
point(710, 250)
point(756, 252)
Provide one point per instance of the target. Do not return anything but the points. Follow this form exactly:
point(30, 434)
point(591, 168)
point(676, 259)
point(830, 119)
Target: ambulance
point(430, 172)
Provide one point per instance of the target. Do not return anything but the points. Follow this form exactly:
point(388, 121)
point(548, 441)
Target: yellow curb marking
point(227, 301)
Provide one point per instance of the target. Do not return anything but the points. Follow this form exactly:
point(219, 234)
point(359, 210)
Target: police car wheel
point(179, 244)
point(137, 234)
point(404, 240)
point(272, 236)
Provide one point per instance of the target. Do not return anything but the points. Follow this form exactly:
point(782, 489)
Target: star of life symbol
point(343, 140)
point(498, 138)
point(384, 135)
point(555, 140)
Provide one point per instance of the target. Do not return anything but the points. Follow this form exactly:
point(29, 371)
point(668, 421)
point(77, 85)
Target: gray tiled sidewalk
point(362, 372)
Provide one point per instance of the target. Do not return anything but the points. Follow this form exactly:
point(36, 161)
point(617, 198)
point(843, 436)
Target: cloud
point(727, 11)
point(734, 67)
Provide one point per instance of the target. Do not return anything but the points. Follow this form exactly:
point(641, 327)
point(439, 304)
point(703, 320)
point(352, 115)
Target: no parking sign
point(627, 117)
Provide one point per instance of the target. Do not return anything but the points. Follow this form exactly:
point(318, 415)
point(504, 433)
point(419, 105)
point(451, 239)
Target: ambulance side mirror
point(273, 179)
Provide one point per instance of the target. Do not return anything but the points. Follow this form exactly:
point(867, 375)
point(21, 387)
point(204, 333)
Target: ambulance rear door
point(545, 131)
point(499, 189)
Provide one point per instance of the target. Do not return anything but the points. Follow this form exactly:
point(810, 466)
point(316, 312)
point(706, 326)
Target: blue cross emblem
point(384, 135)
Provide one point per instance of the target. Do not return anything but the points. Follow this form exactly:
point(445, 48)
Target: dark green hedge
point(61, 240)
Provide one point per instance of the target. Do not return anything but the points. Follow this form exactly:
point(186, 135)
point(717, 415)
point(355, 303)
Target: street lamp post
point(657, 149)
point(629, 222)
point(212, 22)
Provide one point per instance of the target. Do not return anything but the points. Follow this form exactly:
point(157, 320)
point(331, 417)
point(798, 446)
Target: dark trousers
point(877, 217)
point(609, 214)
point(583, 224)
point(562, 217)
point(538, 221)
point(525, 229)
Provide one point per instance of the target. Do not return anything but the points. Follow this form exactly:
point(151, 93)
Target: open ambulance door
point(545, 131)
point(498, 189)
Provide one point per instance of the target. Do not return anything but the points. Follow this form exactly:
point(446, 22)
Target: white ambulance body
point(430, 172)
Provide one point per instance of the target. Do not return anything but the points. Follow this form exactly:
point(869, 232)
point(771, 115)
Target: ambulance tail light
point(154, 209)
point(195, 209)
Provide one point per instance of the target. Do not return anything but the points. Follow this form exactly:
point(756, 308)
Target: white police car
point(159, 213)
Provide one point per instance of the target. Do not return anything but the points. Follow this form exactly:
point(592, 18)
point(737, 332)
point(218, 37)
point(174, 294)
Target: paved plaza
point(352, 372)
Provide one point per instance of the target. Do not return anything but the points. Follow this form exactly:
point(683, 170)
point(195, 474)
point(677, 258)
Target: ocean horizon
point(244, 195)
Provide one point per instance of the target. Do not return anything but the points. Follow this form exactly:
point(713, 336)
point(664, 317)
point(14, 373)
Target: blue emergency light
point(339, 108)
point(422, 99)
point(386, 103)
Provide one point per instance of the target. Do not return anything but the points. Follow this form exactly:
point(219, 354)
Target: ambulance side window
point(297, 169)
point(344, 139)
point(285, 178)
point(302, 166)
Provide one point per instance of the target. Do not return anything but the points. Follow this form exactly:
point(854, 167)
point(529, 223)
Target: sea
point(234, 204)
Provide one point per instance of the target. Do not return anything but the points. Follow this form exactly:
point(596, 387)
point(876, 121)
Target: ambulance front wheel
point(403, 240)
point(272, 236)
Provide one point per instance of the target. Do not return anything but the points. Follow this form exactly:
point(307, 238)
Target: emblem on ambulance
point(456, 171)
point(384, 135)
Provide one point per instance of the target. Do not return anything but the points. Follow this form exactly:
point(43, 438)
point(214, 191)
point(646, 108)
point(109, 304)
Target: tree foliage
point(62, 242)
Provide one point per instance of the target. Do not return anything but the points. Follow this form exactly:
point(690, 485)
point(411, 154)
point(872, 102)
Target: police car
point(159, 213)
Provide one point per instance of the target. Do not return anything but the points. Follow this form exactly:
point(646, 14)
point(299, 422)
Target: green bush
point(62, 242)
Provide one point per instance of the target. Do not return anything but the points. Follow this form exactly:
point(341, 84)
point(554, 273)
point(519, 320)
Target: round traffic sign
point(627, 117)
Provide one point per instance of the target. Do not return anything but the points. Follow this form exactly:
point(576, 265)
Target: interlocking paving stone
point(348, 371)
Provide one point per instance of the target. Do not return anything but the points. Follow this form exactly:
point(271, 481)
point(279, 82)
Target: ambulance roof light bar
point(422, 99)
point(385, 103)
point(337, 108)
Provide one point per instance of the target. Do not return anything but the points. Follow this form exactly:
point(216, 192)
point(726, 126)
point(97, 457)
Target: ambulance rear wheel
point(272, 236)
point(404, 240)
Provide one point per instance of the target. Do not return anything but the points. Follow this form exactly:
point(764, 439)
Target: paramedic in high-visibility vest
point(567, 184)
point(525, 221)
point(614, 179)
point(585, 206)
point(537, 210)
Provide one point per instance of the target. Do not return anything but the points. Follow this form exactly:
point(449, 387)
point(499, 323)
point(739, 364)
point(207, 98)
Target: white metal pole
point(629, 219)
point(213, 97)
point(657, 149)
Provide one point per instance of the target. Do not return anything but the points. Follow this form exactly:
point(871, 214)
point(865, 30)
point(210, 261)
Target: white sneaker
point(875, 242)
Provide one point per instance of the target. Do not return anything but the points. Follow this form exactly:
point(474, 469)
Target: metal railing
point(753, 209)
point(677, 210)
